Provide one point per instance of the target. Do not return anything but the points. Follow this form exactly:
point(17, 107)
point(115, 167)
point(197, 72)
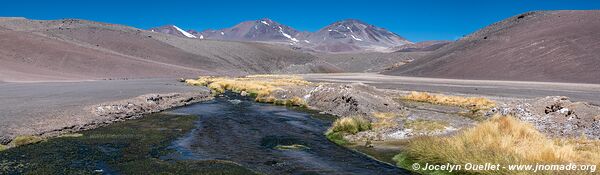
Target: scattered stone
point(557, 116)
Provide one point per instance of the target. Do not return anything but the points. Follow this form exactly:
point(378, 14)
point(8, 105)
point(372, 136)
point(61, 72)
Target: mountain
point(257, 30)
point(343, 36)
point(174, 30)
point(354, 35)
point(71, 49)
point(558, 46)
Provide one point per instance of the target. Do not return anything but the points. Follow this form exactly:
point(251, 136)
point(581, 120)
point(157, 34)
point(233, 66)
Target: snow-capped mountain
point(354, 35)
point(173, 30)
point(257, 30)
point(343, 36)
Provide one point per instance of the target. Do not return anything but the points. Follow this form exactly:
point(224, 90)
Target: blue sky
point(415, 20)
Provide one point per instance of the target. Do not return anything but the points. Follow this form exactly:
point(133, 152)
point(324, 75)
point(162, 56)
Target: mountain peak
point(354, 35)
point(265, 19)
point(351, 20)
point(263, 29)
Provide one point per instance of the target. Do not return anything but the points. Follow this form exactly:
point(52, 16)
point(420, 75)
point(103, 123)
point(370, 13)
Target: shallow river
point(229, 135)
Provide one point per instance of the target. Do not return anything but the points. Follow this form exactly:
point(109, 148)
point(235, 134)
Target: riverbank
point(52, 108)
point(386, 120)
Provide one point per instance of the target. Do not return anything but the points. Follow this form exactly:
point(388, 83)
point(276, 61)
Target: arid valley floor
point(263, 98)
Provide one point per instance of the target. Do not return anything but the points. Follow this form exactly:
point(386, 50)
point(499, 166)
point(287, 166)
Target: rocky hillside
point(38, 50)
point(558, 46)
point(424, 46)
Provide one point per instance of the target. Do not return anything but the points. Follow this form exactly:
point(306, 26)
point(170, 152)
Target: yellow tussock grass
point(501, 140)
point(350, 125)
point(260, 86)
point(477, 103)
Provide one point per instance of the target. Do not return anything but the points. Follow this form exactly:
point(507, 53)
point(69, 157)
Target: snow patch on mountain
point(357, 39)
point(287, 35)
point(189, 35)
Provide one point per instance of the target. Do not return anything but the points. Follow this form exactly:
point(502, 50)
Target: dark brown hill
point(556, 46)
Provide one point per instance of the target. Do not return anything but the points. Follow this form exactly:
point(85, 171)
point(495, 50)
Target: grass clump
point(425, 126)
point(350, 125)
point(3, 147)
point(26, 140)
point(501, 140)
point(473, 103)
point(259, 86)
point(346, 125)
point(337, 138)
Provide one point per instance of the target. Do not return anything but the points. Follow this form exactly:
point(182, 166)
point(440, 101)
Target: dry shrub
point(195, 82)
point(474, 103)
point(501, 140)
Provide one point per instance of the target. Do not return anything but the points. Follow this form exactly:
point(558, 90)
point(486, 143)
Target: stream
point(246, 132)
point(228, 135)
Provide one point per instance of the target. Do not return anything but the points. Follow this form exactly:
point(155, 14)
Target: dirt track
point(503, 89)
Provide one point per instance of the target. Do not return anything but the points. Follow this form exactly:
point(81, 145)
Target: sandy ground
point(27, 108)
point(502, 89)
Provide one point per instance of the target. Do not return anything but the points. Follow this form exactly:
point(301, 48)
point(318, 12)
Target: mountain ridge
point(348, 35)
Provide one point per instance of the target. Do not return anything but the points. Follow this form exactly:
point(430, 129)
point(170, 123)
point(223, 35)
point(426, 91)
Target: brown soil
point(556, 46)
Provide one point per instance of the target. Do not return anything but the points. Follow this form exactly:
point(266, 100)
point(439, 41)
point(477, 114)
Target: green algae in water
point(130, 147)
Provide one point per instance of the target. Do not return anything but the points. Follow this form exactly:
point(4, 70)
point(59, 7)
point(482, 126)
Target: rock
point(557, 116)
point(352, 99)
point(4, 140)
point(244, 93)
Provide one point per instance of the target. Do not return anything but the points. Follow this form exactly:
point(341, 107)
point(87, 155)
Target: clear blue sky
point(416, 20)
